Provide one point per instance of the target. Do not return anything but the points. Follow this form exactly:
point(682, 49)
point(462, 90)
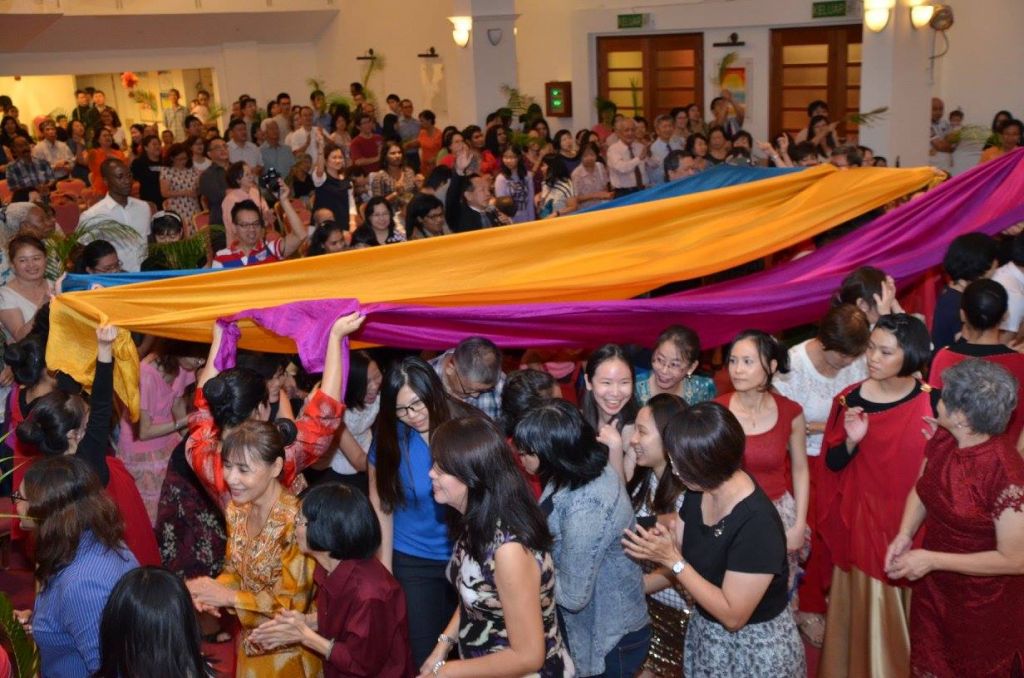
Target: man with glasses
point(250, 248)
point(472, 373)
point(121, 207)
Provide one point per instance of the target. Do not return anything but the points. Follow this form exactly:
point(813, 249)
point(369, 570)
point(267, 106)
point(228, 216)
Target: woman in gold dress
point(264, 570)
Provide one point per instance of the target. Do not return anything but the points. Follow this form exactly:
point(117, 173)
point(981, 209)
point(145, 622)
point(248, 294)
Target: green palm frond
point(975, 135)
point(315, 84)
point(59, 249)
point(24, 653)
point(867, 119)
point(517, 101)
point(145, 97)
point(375, 64)
point(338, 100)
point(56, 113)
point(187, 253)
point(634, 93)
point(727, 61)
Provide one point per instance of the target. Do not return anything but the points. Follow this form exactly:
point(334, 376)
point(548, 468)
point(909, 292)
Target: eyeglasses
point(463, 391)
point(111, 268)
point(413, 408)
point(18, 496)
point(673, 365)
point(248, 224)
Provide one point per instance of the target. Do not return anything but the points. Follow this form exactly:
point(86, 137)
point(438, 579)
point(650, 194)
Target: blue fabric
point(419, 526)
point(720, 176)
point(66, 620)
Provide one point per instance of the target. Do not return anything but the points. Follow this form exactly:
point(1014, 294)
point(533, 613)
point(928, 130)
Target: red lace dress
point(962, 625)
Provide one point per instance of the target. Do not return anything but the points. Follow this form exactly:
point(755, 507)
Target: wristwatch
point(678, 566)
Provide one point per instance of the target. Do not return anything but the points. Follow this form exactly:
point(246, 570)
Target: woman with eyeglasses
point(414, 535)
point(99, 256)
point(674, 363)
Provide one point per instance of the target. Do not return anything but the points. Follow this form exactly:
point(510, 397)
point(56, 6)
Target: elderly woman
point(968, 593)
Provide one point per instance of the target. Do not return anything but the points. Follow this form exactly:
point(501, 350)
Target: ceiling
point(43, 33)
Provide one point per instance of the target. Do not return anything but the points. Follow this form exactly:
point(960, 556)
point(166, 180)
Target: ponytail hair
point(53, 417)
point(234, 394)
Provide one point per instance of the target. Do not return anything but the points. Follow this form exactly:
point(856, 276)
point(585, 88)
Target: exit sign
point(828, 9)
point(631, 20)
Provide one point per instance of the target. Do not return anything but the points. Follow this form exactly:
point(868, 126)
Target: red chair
point(71, 187)
point(67, 214)
point(200, 220)
point(5, 192)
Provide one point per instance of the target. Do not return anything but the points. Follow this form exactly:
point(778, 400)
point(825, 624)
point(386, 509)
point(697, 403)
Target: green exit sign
point(828, 9)
point(631, 20)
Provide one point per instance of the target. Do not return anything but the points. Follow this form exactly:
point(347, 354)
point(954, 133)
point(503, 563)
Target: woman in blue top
point(414, 532)
point(80, 556)
point(674, 363)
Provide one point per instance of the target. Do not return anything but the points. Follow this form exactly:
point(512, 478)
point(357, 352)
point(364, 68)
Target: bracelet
point(437, 667)
point(447, 640)
point(330, 649)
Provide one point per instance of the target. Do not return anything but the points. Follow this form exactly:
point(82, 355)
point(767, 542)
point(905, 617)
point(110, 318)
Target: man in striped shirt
point(251, 248)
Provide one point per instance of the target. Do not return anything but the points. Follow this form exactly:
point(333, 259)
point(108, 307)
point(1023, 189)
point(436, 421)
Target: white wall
point(983, 72)
point(39, 95)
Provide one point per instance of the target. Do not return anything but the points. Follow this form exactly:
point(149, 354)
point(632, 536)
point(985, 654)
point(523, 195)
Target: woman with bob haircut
point(982, 309)
point(506, 622)
point(80, 555)
point(361, 622)
point(599, 590)
point(732, 558)
point(414, 537)
point(149, 629)
point(819, 369)
point(968, 590)
point(264, 569)
point(874, 450)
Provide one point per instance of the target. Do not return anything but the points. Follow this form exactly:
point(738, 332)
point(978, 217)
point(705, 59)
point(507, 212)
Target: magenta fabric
point(307, 323)
point(906, 242)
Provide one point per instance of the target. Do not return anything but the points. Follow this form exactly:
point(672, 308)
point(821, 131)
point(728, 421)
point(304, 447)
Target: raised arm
point(94, 446)
point(297, 231)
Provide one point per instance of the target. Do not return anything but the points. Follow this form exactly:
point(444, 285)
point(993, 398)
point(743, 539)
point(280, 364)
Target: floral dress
point(268, 573)
point(184, 179)
point(481, 616)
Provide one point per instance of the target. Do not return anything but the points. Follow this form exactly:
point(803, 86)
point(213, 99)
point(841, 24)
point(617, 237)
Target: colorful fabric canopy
point(612, 254)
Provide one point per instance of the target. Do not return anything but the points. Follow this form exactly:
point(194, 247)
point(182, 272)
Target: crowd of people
point(628, 511)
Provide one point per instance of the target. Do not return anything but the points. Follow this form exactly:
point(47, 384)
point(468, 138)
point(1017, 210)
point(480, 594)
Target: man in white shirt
point(665, 143)
point(119, 206)
point(627, 159)
point(240, 149)
point(305, 140)
point(55, 152)
point(1011, 276)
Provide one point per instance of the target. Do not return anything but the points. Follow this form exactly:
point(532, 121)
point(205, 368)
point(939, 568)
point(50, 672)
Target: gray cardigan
point(599, 590)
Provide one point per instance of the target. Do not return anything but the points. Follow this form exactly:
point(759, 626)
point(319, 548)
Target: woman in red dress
point(874, 449)
point(60, 423)
point(982, 308)
point(967, 618)
point(776, 448)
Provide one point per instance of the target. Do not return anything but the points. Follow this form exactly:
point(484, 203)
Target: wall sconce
point(876, 14)
point(461, 26)
point(921, 14)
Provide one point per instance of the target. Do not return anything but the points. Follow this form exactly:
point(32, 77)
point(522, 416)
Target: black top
point(147, 173)
point(333, 195)
point(213, 184)
point(837, 458)
point(750, 539)
point(946, 319)
point(95, 444)
point(979, 350)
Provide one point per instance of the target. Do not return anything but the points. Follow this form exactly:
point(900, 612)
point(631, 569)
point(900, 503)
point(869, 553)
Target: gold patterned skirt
point(668, 629)
point(866, 630)
point(291, 662)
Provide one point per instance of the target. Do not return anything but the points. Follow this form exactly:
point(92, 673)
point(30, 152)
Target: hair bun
point(32, 432)
point(288, 430)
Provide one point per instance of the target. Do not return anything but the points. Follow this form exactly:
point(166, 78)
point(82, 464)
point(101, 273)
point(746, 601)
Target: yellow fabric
point(610, 254)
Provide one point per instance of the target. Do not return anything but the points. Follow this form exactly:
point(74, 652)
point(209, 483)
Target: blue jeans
point(628, 655)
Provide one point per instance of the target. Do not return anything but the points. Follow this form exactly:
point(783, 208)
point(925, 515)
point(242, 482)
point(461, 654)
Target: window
point(815, 63)
point(651, 74)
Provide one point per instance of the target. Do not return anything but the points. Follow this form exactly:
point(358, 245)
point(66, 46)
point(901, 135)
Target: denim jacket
point(599, 590)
